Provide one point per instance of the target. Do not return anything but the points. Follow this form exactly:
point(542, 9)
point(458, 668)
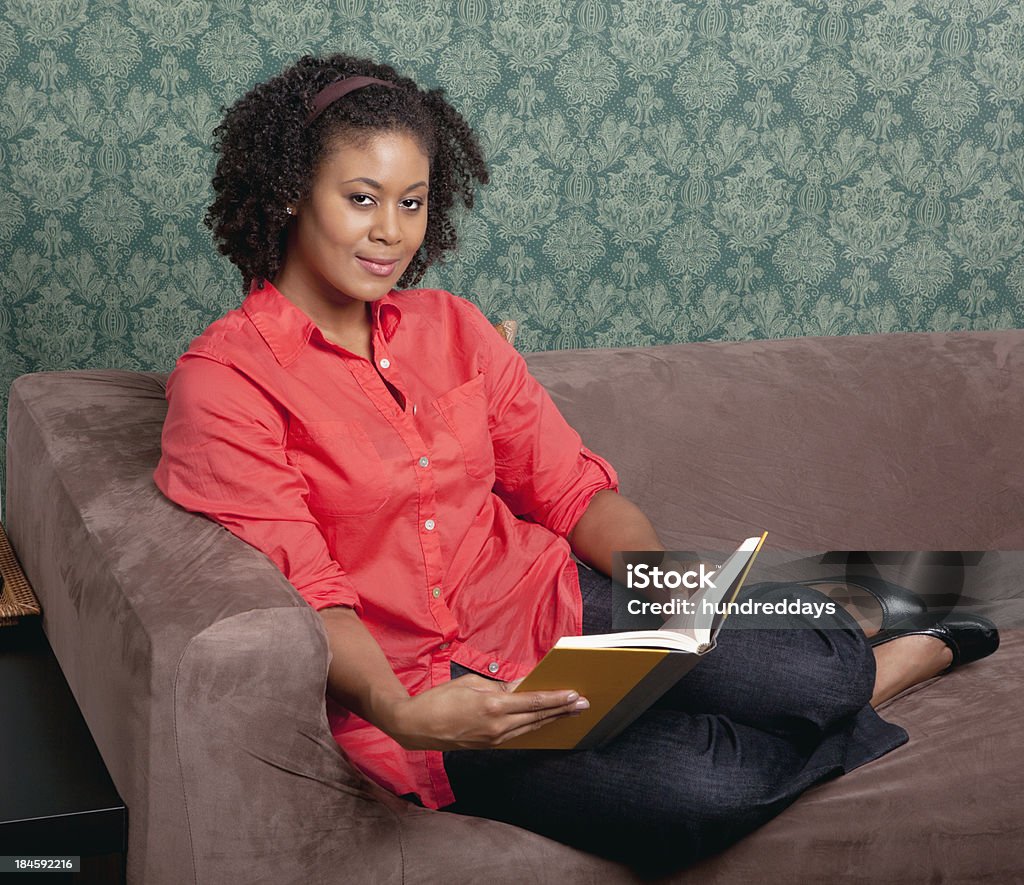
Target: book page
point(672, 640)
point(702, 621)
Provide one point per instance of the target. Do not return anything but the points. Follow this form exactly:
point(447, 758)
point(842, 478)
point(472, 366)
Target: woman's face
point(363, 222)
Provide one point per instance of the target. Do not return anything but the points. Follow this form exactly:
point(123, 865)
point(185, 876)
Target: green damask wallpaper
point(663, 170)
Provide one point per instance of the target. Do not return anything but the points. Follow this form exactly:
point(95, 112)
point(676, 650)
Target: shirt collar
point(387, 315)
point(286, 329)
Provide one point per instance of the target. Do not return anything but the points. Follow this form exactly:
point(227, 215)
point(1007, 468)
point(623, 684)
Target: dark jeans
point(767, 714)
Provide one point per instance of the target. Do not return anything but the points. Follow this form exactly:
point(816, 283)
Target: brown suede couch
point(201, 672)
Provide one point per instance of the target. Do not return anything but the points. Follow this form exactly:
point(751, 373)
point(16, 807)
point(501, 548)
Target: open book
point(622, 674)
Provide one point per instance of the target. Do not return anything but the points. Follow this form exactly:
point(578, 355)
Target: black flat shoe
point(970, 637)
point(897, 603)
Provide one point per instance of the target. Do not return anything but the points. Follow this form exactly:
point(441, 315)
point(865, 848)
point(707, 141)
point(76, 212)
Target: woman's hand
point(467, 712)
point(472, 712)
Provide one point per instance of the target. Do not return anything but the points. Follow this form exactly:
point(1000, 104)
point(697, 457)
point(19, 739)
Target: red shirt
point(403, 508)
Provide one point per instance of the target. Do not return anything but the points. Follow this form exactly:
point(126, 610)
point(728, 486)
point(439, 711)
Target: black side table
point(56, 796)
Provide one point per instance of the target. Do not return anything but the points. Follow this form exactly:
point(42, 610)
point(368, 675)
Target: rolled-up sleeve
point(223, 455)
point(543, 470)
point(589, 475)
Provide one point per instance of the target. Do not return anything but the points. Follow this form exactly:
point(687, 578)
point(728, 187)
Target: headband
point(340, 88)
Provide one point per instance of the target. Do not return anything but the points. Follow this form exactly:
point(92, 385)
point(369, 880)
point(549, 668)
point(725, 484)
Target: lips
point(378, 268)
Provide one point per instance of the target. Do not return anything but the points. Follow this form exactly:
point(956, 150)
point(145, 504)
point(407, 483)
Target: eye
point(362, 199)
point(413, 203)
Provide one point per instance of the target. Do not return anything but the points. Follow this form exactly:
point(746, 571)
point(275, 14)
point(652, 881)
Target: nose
point(387, 227)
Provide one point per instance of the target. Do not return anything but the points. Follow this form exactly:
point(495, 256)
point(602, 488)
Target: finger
point(527, 700)
point(512, 724)
point(528, 725)
point(537, 701)
point(539, 717)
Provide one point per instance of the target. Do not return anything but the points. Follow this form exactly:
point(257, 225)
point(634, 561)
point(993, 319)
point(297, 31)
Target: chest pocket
point(344, 471)
point(464, 410)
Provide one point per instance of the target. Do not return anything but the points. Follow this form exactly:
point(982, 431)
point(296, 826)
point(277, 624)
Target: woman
point(392, 455)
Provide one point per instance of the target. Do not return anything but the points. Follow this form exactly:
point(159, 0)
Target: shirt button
point(429, 525)
point(444, 645)
point(436, 592)
point(492, 667)
point(385, 363)
point(424, 461)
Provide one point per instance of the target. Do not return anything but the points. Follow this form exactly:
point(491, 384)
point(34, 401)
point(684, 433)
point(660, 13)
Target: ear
point(507, 329)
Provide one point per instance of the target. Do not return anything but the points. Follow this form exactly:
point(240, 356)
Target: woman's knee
point(822, 662)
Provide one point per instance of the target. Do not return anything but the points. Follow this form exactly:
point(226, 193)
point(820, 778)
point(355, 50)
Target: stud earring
point(289, 210)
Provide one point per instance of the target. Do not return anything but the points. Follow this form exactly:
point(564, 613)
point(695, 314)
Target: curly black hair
point(269, 157)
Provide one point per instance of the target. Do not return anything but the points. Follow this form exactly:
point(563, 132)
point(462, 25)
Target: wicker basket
point(16, 596)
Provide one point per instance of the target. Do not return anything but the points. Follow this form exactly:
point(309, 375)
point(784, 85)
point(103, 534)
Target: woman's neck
point(346, 324)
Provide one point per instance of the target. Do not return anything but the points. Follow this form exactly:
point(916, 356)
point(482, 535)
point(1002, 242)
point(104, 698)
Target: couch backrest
point(904, 441)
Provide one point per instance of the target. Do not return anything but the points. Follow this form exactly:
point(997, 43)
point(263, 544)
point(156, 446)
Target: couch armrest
point(267, 790)
point(192, 658)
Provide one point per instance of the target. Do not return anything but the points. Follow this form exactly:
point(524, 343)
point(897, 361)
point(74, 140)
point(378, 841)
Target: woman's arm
point(466, 713)
point(611, 522)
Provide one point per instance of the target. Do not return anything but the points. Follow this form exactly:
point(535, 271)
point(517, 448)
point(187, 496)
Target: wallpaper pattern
point(663, 170)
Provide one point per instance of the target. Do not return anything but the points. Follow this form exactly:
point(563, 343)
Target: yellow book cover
point(622, 674)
